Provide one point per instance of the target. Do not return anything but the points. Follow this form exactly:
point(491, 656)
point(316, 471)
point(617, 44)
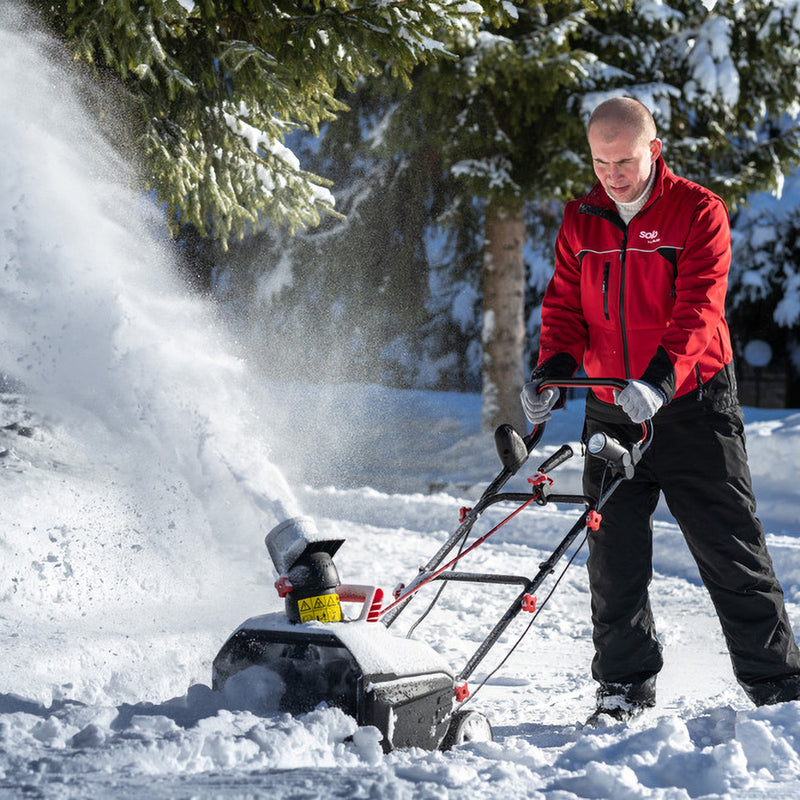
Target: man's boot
point(621, 702)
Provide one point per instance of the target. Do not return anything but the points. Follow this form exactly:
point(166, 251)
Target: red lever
point(370, 596)
point(462, 513)
point(374, 613)
point(593, 519)
point(283, 585)
point(462, 692)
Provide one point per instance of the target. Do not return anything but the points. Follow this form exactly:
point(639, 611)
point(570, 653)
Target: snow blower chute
point(313, 653)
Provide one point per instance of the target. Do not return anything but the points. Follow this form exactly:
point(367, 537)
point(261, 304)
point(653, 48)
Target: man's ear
point(655, 149)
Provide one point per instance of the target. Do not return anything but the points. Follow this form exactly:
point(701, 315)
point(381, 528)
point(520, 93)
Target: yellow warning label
point(324, 608)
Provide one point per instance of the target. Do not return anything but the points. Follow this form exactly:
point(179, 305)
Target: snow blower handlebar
point(591, 383)
point(621, 459)
point(514, 451)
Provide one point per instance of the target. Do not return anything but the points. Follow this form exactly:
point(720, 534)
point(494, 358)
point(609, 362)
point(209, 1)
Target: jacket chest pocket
point(600, 288)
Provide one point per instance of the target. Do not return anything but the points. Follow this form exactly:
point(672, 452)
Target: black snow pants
point(697, 459)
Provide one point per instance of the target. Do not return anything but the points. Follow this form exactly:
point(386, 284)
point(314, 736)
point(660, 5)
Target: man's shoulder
point(685, 191)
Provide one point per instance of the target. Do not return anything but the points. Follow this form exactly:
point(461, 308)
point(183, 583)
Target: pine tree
point(215, 86)
point(505, 119)
point(369, 297)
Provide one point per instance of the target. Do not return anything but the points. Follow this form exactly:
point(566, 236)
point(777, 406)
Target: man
point(638, 294)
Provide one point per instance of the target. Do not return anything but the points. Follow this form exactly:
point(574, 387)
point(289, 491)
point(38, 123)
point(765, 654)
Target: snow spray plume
point(121, 377)
point(280, 296)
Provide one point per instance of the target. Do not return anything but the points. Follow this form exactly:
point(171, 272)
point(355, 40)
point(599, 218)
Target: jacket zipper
point(606, 271)
point(622, 253)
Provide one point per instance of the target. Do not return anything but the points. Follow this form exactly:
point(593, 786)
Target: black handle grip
point(564, 453)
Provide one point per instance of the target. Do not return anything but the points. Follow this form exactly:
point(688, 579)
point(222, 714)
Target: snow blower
point(314, 654)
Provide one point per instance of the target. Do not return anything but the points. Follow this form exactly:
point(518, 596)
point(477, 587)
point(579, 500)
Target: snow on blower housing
point(313, 654)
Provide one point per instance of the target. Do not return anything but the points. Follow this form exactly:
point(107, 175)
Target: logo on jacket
point(650, 236)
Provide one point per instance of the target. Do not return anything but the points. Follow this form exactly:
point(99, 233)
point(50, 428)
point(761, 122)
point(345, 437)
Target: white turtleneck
point(629, 210)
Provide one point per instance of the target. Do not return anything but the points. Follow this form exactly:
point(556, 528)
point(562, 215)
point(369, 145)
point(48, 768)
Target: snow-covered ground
point(142, 463)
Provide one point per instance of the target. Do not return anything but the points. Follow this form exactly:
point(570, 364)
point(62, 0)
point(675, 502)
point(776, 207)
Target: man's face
point(622, 160)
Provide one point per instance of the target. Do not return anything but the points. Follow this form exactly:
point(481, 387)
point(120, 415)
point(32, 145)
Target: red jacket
point(647, 300)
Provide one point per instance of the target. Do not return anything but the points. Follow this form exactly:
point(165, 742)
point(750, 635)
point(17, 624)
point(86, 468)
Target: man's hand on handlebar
point(639, 400)
point(537, 405)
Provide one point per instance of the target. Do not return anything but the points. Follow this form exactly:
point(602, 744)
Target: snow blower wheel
point(465, 726)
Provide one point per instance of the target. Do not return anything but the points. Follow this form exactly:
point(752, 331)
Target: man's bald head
point(619, 114)
point(622, 138)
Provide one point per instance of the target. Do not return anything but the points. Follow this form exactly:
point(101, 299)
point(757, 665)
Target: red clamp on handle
point(539, 479)
point(283, 585)
point(529, 603)
point(593, 519)
point(398, 591)
point(462, 692)
point(462, 513)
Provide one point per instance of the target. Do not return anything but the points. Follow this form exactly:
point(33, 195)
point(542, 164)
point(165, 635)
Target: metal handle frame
point(540, 495)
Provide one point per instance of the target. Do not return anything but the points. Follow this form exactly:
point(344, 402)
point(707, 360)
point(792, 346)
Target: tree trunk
point(503, 336)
